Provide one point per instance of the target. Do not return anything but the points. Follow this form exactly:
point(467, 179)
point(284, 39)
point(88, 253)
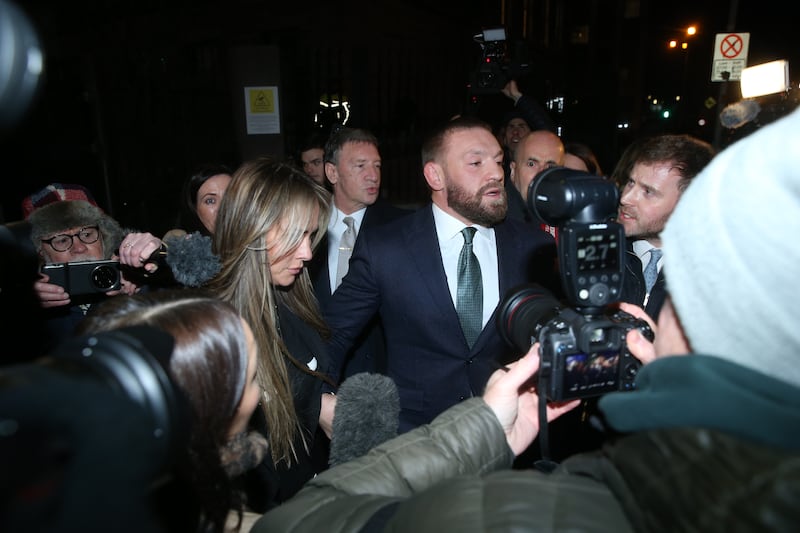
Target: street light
point(691, 31)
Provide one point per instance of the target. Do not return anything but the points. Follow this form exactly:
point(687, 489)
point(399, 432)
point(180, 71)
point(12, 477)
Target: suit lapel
point(423, 245)
point(507, 256)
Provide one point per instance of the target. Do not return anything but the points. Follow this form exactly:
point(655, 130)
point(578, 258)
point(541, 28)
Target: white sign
point(730, 56)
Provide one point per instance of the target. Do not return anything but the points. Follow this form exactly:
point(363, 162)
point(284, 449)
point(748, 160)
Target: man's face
point(80, 251)
point(536, 152)
point(356, 178)
point(473, 177)
point(312, 164)
point(516, 129)
point(648, 199)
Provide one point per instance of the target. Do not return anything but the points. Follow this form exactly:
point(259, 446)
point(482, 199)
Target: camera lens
point(523, 313)
point(131, 363)
point(105, 277)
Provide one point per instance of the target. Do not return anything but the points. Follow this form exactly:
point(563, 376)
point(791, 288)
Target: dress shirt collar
point(449, 228)
point(336, 224)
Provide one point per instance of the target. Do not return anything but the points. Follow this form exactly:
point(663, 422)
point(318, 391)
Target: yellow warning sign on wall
point(262, 110)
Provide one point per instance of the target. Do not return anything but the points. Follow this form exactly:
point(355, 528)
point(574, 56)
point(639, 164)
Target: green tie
point(469, 296)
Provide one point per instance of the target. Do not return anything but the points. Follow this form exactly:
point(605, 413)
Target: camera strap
point(545, 464)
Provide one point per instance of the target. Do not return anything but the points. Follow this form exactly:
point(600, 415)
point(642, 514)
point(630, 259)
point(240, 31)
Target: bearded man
point(411, 272)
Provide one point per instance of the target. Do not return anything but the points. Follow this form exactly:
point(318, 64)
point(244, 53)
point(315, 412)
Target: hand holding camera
point(83, 278)
point(640, 345)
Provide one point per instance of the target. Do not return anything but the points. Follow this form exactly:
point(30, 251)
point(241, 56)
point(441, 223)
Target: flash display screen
point(597, 251)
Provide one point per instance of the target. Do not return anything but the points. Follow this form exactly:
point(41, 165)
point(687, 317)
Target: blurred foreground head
point(735, 289)
point(21, 64)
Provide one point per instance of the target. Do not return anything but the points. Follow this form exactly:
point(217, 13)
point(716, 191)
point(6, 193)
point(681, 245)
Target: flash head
point(560, 194)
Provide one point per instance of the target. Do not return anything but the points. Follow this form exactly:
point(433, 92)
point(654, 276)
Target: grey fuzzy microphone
point(367, 414)
point(191, 260)
point(738, 114)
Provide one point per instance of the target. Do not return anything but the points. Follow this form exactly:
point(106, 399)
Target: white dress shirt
point(336, 227)
point(448, 232)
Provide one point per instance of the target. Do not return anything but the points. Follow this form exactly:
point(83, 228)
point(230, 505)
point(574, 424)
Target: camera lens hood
point(522, 314)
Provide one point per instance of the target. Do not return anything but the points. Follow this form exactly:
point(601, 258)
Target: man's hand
point(511, 90)
point(50, 294)
point(641, 348)
point(515, 401)
point(126, 287)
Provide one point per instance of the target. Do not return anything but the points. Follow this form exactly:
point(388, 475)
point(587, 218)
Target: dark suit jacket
point(369, 351)
point(396, 271)
point(633, 287)
point(267, 485)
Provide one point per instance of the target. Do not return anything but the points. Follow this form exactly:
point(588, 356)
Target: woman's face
point(252, 390)
point(209, 195)
point(284, 270)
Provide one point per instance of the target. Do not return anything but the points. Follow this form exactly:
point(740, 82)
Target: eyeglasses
point(63, 241)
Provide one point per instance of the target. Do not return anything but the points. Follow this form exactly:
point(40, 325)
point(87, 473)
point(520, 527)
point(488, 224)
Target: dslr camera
point(495, 66)
point(85, 277)
point(582, 345)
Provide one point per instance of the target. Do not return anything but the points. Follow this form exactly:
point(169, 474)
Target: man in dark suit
point(653, 173)
point(353, 168)
point(406, 272)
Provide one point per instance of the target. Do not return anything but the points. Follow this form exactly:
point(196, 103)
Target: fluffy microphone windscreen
point(738, 114)
point(367, 414)
point(191, 260)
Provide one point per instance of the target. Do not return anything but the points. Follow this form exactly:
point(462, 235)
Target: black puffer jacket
point(713, 447)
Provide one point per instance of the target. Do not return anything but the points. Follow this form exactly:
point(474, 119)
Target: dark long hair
point(209, 364)
point(188, 220)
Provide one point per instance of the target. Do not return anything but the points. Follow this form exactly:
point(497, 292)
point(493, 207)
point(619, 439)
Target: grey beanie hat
point(61, 216)
point(730, 253)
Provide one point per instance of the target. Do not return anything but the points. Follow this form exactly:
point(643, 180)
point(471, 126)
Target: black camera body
point(495, 66)
point(85, 277)
point(587, 356)
point(583, 349)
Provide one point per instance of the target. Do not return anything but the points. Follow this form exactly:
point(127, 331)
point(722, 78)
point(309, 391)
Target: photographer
point(67, 226)
point(527, 115)
point(709, 442)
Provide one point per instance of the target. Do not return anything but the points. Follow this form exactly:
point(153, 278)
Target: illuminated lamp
point(766, 78)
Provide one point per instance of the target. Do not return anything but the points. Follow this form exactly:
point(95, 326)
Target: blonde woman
point(267, 227)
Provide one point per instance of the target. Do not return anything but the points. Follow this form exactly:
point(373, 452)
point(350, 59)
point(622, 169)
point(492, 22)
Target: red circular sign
point(731, 46)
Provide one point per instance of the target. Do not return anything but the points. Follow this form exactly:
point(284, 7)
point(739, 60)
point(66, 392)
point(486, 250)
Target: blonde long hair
point(264, 194)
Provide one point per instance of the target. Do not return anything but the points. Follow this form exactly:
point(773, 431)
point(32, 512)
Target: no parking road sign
point(730, 56)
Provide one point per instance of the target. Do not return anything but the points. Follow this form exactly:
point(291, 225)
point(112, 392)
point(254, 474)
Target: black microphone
point(367, 414)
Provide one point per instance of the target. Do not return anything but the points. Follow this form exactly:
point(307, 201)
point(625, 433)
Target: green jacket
point(733, 467)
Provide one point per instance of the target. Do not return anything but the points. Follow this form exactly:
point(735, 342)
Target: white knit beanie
point(732, 253)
